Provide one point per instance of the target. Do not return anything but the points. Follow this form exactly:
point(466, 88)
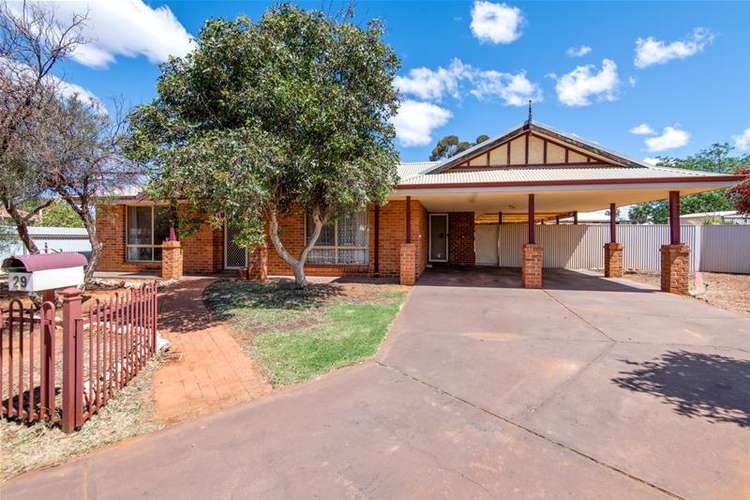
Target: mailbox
point(48, 271)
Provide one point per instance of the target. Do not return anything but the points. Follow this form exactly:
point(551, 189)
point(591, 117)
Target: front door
point(438, 237)
point(235, 256)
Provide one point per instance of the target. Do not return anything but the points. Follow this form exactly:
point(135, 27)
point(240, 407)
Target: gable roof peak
point(536, 128)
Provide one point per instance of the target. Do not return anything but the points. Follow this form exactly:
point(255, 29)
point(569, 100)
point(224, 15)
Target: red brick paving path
point(207, 370)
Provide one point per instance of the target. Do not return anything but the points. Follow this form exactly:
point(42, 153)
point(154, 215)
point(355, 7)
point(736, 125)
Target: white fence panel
point(582, 246)
point(642, 244)
point(725, 249)
point(54, 239)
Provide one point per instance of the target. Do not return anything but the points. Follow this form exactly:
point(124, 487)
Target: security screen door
point(439, 237)
point(235, 257)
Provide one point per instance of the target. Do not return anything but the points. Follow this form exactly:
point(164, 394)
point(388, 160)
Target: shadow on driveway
point(506, 277)
point(697, 385)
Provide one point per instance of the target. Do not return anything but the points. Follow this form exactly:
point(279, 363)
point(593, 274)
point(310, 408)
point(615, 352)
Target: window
point(147, 228)
point(343, 241)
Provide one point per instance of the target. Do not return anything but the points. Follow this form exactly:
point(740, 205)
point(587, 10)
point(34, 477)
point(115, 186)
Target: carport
point(536, 175)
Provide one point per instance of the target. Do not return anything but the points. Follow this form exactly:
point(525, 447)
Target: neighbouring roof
point(408, 170)
point(723, 213)
point(49, 232)
point(5, 215)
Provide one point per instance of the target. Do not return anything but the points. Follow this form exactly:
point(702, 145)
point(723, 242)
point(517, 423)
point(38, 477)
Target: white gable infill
point(535, 144)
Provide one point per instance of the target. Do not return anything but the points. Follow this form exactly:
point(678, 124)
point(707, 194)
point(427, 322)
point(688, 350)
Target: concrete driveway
point(587, 389)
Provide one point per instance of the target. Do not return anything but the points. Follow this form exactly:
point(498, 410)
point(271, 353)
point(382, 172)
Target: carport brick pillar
point(257, 263)
point(408, 261)
point(531, 267)
point(613, 253)
point(675, 268)
point(171, 260)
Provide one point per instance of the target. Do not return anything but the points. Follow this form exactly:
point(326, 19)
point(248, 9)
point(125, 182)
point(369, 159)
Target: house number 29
point(19, 282)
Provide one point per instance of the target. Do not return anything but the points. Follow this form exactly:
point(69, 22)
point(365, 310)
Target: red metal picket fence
point(65, 369)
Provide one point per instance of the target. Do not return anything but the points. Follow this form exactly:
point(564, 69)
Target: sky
point(643, 79)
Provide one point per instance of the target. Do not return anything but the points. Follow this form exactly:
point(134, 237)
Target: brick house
point(531, 174)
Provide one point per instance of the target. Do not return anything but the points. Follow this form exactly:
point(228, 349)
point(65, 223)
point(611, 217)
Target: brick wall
point(202, 251)
point(393, 234)
point(675, 268)
point(531, 265)
point(461, 239)
point(613, 260)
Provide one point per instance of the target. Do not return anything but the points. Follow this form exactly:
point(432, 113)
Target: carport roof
point(531, 175)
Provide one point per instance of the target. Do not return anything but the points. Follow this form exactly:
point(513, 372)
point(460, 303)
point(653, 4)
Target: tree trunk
point(84, 211)
point(96, 248)
point(297, 265)
point(22, 226)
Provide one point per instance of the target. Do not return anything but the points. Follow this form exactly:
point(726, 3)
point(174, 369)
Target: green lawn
point(298, 334)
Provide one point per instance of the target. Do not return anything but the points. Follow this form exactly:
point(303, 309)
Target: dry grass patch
point(129, 413)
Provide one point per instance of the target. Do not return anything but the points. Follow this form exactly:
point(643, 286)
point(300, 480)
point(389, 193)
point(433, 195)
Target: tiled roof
point(522, 174)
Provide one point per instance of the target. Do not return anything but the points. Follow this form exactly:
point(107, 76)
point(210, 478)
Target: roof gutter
point(576, 182)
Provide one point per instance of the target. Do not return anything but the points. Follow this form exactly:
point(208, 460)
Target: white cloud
point(670, 138)
point(578, 87)
point(578, 51)
point(416, 120)
point(513, 89)
point(124, 28)
point(632, 81)
point(742, 141)
point(496, 22)
point(651, 161)
point(649, 51)
point(426, 83)
point(642, 129)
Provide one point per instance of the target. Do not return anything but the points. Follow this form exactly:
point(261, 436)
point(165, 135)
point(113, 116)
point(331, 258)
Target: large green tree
point(451, 145)
point(717, 158)
point(262, 118)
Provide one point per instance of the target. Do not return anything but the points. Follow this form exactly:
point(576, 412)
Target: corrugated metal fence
point(53, 239)
point(713, 248)
point(725, 249)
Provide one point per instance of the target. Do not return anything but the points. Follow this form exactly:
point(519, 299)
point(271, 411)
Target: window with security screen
point(343, 241)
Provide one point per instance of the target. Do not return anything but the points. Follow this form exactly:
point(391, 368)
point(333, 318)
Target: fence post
point(154, 315)
point(72, 390)
point(47, 396)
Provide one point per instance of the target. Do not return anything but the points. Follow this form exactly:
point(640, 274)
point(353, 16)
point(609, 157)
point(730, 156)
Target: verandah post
point(72, 390)
point(532, 229)
point(613, 251)
point(675, 257)
point(674, 217)
point(531, 260)
point(408, 219)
